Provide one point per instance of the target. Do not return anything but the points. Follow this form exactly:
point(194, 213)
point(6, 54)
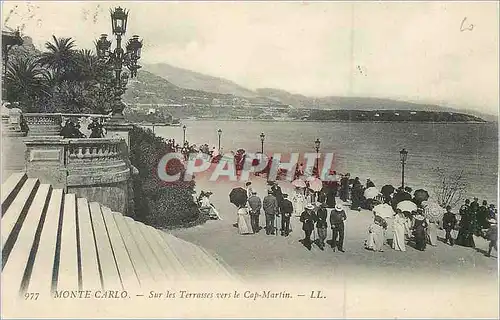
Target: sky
point(430, 52)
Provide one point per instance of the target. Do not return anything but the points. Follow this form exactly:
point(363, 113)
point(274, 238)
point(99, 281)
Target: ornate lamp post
point(262, 137)
point(219, 132)
point(184, 135)
point(118, 58)
point(317, 144)
point(403, 154)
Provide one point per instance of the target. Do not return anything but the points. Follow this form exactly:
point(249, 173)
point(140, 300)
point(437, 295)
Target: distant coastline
point(335, 121)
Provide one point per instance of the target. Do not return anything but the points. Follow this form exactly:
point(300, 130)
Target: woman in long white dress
point(398, 238)
point(244, 222)
point(376, 237)
point(432, 232)
point(299, 202)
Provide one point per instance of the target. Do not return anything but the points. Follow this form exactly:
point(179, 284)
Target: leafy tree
point(60, 58)
point(27, 82)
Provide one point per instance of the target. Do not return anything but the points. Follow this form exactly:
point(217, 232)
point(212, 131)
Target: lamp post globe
point(118, 58)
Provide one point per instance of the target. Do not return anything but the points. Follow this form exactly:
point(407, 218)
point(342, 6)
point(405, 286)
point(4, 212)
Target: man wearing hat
point(255, 205)
point(449, 223)
point(337, 218)
point(286, 213)
point(307, 218)
point(270, 206)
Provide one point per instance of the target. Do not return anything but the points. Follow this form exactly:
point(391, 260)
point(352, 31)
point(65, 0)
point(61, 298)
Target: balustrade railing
point(95, 149)
point(50, 124)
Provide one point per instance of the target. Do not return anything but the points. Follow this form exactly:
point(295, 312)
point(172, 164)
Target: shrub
point(158, 203)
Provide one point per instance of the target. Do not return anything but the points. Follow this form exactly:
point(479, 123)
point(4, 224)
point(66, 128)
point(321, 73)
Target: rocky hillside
point(197, 81)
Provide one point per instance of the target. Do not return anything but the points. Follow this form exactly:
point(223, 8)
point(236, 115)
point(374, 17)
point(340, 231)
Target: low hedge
point(157, 203)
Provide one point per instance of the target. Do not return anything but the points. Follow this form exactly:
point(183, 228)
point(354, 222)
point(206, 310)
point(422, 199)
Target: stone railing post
point(45, 160)
point(43, 124)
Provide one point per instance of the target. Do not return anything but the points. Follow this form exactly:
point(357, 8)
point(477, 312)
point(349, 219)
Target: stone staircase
point(56, 241)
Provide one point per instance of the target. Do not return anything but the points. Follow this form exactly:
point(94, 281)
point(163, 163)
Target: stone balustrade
point(50, 124)
point(94, 168)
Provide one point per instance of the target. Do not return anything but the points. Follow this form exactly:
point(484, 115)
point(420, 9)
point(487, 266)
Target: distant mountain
point(350, 103)
point(162, 84)
point(197, 81)
point(149, 88)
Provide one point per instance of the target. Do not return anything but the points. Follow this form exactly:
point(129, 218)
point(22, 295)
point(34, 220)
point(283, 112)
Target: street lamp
point(118, 58)
point(262, 137)
point(403, 154)
point(317, 144)
point(219, 132)
point(184, 136)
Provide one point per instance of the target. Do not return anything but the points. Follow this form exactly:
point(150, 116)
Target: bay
point(369, 150)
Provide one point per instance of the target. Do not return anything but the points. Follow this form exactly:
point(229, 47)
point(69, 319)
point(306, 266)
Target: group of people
point(278, 210)
point(474, 219)
point(398, 230)
point(72, 129)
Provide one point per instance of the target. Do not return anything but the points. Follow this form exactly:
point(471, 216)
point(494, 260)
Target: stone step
point(44, 270)
point(109, 271)
point(172, 269)
point(144, 247)
point(68, 273)
point(14, 216)
point(26, 246)
point(174, 261)
point(90, 278)
point(52, 241)
point(139, 263)
point(126, 270)
point(11, 187)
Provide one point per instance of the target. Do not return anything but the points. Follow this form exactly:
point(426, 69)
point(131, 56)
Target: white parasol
point(315, 184)
point(407, 206)
point(384, 210)
point(371, 193)
point(299, 183)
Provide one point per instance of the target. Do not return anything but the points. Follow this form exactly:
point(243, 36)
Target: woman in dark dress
point(466, 228)
point(419, 228)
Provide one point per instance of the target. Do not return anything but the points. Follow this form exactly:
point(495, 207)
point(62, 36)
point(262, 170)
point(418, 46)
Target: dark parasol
point(420, 195)
point(238, 197)
point(387, 189)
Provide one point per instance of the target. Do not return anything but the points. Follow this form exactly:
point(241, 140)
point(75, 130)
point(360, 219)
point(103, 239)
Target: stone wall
point(95, 168)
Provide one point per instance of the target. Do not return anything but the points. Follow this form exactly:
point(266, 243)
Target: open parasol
point(387, 189)
point(315, 184)
point(238, 196)
point(299, 183)
point(371, 193)
point(384, 210)
point(433, 211)
point(407, 206)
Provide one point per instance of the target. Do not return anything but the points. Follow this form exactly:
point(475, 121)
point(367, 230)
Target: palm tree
point(60, 57)
point(26, 82)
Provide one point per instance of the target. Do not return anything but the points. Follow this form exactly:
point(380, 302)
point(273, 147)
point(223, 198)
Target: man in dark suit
point(337, 218)
point(255, 205)
point(449, 223)
point(270, 206)
point(307, 218)
point(321, 225)
point(286, 213)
